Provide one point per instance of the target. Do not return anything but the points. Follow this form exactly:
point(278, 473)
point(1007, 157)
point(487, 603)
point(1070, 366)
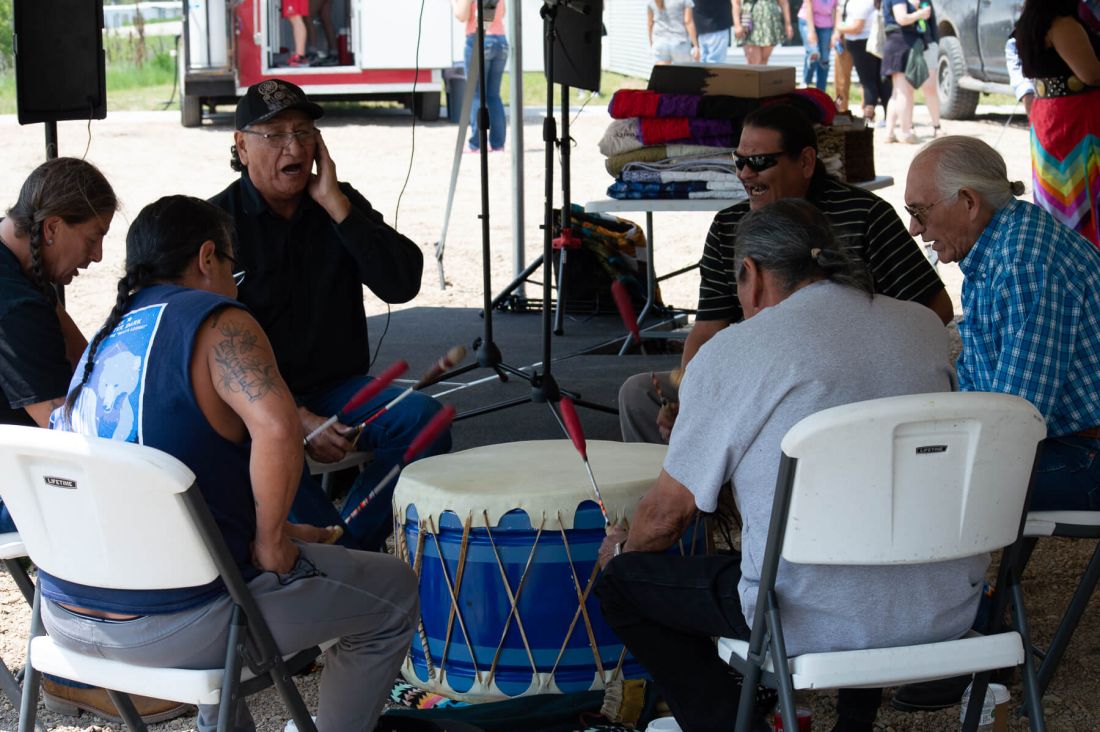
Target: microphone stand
point(544, 388)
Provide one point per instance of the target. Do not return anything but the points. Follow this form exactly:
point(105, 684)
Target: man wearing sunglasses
point(776, 158)
point(306, 244)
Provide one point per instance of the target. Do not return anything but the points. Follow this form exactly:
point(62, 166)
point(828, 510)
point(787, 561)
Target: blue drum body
point(501, 605)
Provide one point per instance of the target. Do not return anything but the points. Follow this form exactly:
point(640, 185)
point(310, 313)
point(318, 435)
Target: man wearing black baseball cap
point(306, 244)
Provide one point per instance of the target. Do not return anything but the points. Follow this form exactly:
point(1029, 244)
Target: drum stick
point(626, 311)
point(363, 396)
point(576, 434)
point(423, 440)
point(448, 361)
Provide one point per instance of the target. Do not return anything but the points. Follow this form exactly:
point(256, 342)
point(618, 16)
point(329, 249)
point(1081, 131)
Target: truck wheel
point(190, 110)
point(426, 106)
point(955, 102)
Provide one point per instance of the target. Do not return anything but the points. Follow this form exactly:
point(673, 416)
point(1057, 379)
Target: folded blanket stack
point(680, 145)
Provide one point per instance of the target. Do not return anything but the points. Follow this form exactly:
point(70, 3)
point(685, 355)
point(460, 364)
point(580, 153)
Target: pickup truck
point(972, 51)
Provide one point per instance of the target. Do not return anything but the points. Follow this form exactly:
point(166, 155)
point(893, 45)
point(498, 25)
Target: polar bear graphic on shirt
point(106, 400)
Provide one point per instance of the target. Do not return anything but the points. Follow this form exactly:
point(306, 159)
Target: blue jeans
point(816, 67)
point(1067, 476)
point(387, 437)
point(496, 57)
point(714, 47)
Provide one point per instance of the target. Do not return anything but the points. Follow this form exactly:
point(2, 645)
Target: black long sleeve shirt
point(304, 280)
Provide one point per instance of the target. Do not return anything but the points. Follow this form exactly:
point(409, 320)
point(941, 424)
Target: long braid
point(37, 273)
point(126, 285)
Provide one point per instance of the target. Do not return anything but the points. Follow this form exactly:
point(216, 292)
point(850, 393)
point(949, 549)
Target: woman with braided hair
point(54, 230)
point(182, 366)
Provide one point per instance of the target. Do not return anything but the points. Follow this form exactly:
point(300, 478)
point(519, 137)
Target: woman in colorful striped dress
point(1062, 55)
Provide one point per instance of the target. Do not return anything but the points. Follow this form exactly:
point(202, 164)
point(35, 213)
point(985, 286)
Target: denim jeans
point(714, 47)
point(1067, 476)
point(496, 57)
point(818, 68)
point(387, 437)
point(666, 608)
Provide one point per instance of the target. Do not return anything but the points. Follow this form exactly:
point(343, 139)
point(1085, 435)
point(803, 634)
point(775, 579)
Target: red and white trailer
point(386, 50)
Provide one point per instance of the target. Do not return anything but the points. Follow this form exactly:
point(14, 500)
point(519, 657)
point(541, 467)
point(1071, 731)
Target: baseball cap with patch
point(268, 98)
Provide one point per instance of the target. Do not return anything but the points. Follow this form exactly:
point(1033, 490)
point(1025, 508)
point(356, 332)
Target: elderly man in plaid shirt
point(1031, 305)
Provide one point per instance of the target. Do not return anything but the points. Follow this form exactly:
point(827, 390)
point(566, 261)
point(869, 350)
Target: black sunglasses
point(758, 163)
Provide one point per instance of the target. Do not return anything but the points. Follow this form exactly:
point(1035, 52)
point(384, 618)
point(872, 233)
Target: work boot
point(70, 700)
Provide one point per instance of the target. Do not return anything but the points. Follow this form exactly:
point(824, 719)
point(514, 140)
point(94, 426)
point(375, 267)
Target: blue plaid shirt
point(1031, 317)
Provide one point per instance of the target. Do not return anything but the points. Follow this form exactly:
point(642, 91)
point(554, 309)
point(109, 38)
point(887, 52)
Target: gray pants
point(639, 405)
point(367, 600)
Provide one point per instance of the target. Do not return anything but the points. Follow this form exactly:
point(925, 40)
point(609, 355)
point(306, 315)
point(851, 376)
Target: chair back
point(102, 513)
point(909, 479)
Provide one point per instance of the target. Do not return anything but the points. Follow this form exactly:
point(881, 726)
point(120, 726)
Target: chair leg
point(28, 707)
point(1072, 617)
point(290, 695)
point(978, 690)
point(746, 705)
point(1033, 698)
point(22, 581)
point(9, 685)
point(231, 681)
point(126, 710)
point(782, 670)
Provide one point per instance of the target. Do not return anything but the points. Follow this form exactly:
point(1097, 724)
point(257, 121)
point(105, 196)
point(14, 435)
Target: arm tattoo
point(241, 366)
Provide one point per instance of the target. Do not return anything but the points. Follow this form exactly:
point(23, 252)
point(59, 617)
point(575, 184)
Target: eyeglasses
point(758, 163)
point(238, 277)
point(919, 212)
point(282, 140)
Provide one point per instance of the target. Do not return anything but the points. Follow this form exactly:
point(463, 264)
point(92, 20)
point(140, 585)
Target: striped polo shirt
point(866, 226)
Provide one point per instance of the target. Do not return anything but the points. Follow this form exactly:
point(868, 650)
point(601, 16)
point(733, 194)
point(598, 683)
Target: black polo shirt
point(33, 365)
point(866, 226)
point(304, 280)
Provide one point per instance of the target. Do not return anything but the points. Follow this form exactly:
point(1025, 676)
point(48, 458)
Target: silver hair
point(966, 162)
point(793, 240)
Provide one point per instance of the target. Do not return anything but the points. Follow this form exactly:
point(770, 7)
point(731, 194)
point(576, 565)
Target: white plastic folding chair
point(935, 477)
point(327, 471)
point(11, 551)
point(1072, 525)
point(105, 513)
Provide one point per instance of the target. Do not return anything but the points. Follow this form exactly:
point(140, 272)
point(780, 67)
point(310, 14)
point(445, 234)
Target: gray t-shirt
point(668, 24)
point(823, 346)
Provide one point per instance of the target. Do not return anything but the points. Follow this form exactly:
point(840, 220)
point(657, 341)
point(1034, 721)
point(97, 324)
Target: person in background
point(322, 11)
point(759, 26)
point(842, 76)
point(296, 13)
point(1061, 54)
point(903, 31)
point(495, 59)
point(930, 88)
point(306, 244)
point(1088, 12)
point(671, 28)
point(210, 394)
point(855, 26)
point(53, 232)
point(713, 20)
point(816, 20)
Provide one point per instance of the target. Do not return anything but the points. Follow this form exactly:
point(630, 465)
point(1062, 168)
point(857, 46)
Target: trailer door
point(388, 32)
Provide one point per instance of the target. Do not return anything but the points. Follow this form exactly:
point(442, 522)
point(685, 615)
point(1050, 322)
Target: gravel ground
point(147, 155)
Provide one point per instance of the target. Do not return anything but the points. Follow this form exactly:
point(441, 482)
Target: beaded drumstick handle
point(363, 396)
point(435, 427)
point(576, 434)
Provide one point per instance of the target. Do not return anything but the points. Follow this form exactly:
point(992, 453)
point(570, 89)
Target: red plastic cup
point(805, 719)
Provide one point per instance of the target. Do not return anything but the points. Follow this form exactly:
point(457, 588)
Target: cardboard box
point(736, 80)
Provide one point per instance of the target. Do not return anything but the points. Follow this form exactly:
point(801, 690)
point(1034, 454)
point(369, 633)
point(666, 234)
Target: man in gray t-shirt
point(801, 349)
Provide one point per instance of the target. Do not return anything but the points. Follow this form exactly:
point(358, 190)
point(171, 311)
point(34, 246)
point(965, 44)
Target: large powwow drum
point(504, 539)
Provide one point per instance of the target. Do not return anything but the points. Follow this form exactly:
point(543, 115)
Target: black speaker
point(577, 41)
point(60, 68)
